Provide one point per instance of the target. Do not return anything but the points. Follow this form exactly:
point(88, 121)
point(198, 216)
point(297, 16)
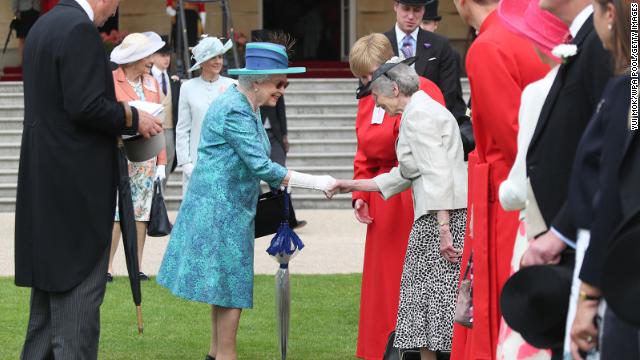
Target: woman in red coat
point(499, 65)
point(388, 222)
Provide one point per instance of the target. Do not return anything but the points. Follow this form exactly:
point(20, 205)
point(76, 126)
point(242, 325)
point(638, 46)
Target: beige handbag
point(464, 303)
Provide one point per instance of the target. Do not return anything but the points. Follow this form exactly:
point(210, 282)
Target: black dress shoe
point(109, 277)
point(301, 223)
point(208, 357)
point(143, 276)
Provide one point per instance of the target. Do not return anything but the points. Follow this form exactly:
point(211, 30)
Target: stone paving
point(334, 244)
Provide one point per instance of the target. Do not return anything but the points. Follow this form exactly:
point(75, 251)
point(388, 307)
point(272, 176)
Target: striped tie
point(407, 46)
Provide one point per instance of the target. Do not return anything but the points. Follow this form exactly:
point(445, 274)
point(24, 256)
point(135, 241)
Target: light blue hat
point(209, 47)
point(263, 58)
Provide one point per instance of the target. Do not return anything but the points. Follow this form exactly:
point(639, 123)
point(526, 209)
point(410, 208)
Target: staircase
point(320, 113)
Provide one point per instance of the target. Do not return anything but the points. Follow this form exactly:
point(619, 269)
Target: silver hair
point(246, 81)
point(403, 75)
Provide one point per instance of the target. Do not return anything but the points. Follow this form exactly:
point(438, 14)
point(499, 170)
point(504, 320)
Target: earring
point(255, 89)
point(609, 26)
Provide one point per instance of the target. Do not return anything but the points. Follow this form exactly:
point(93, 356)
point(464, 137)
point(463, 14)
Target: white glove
point(307, 181)
point(187, 169)
point(160, 173)
point(170, 11)
point(203, 19)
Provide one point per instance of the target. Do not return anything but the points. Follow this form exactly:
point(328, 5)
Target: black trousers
point(67, 325)
point(279, 156)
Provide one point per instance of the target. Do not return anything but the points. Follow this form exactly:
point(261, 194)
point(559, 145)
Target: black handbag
point(159, 224)
point(269, 212)
point(393, 353)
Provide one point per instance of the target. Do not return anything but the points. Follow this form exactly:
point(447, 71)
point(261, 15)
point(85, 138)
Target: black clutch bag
point(269, 213)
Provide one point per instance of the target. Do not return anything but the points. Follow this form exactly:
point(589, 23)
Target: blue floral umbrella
point(284, 246)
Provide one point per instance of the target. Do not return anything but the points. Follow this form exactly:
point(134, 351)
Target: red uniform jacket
point(499, 65)
point(189, 5)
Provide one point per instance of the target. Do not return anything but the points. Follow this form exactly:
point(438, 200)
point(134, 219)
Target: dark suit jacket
point(619, 166)
point(277, 118)
point(444, 69)
point(66, 196)
point(565, 114)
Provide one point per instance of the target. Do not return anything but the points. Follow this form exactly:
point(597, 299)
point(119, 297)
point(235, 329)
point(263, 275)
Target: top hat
point(390, 64)
point(136, 46)
point(526, 18)
point(166, 49)
point(535, 303)
point(208, 48)
point(413, 2)
point(264, 58)
point(621, 275)
point(431, 11)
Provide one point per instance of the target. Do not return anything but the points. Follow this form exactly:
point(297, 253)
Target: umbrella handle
point(140, 323)
point(287, 201)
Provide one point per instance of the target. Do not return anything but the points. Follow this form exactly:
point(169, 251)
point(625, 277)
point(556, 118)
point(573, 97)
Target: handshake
point(325, 183)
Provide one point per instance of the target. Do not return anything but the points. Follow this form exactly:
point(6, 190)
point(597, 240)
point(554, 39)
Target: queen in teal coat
point(209, 257)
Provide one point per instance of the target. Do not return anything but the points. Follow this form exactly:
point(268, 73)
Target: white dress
point(195, 97)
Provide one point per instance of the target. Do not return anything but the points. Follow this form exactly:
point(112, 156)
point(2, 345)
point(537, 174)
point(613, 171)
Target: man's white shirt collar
point(157, 72)
point(582, 17)
point(401, 34)
point(86, 7)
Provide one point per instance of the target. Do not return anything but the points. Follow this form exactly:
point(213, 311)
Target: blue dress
point(209, 257)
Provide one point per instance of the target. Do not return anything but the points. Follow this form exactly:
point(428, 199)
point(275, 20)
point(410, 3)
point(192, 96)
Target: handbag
point(159, 224)
point(393, 353)
point(464, 304)
point(269, 213)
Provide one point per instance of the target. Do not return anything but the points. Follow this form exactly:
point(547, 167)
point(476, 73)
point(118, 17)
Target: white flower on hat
point(565, 51)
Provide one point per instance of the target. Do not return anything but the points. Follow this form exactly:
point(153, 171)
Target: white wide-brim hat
point(136, 46)
point(209, 47)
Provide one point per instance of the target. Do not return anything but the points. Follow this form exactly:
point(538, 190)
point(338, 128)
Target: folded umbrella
point(128, 227)
point(284, 246)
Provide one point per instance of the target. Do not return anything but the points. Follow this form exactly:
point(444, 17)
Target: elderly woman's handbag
point(464, 304)
point(269, 212)
point(159, 224)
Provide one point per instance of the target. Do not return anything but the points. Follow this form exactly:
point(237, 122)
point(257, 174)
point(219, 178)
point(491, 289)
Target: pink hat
point(526, 18)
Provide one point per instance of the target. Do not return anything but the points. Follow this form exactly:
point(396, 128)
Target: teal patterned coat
point(209, 257)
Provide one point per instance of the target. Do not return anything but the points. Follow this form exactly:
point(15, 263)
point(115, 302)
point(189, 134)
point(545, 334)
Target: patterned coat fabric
point(210, 253)
point(387, 236)
point(499, 64)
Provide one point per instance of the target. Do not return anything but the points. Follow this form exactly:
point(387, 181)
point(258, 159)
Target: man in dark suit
point(67, 179)
point(437, 61)
point(274, 119)
point(565, 114)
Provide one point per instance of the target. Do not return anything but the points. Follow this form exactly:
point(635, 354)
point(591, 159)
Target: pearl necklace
point(134, 84)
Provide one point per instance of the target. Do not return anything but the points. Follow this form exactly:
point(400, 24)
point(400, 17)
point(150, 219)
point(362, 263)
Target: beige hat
point(136, 46)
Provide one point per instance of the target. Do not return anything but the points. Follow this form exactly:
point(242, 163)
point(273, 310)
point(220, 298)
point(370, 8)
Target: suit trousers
point(171, 152)
point(67, 325)
point(619, 340)
point(278, 155)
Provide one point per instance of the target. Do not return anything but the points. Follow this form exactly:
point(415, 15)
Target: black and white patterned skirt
point(429, 286)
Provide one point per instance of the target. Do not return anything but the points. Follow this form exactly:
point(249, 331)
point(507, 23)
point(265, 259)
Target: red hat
point(526, 18)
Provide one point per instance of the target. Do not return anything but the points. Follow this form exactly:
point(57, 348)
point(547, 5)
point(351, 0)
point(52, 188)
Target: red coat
point(388, 235)
point(200, 5)
point(499, 65)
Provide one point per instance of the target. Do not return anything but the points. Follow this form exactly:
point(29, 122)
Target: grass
point(324, 321)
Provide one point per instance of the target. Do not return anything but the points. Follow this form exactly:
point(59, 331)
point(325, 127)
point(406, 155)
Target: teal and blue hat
point(263, 58)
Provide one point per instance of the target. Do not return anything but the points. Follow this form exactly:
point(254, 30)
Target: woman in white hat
point(133, 81)
point(195, 97)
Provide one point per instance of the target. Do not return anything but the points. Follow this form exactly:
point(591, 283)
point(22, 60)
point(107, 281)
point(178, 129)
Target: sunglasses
point(281, 84)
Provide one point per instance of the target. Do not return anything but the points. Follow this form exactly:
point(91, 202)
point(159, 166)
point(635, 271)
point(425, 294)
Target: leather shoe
point(109, 277)
point(301, 223)
point(143, 276)
point(208, 357)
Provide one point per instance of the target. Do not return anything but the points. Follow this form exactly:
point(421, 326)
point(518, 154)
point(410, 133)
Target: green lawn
point(324, 321)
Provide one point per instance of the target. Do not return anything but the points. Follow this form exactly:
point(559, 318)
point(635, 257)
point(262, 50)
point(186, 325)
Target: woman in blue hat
point(210, 254)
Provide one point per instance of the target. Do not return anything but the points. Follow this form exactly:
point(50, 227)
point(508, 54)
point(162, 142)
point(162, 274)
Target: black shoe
point(301, 223)
point(143, 276)
point(208, 357)
point(109, 277)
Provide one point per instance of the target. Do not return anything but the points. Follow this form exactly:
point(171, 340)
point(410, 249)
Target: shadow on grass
point(324, 321)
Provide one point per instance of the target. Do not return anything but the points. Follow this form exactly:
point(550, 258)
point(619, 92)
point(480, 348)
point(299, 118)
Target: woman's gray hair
point(246, 81)
point(403, 75)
